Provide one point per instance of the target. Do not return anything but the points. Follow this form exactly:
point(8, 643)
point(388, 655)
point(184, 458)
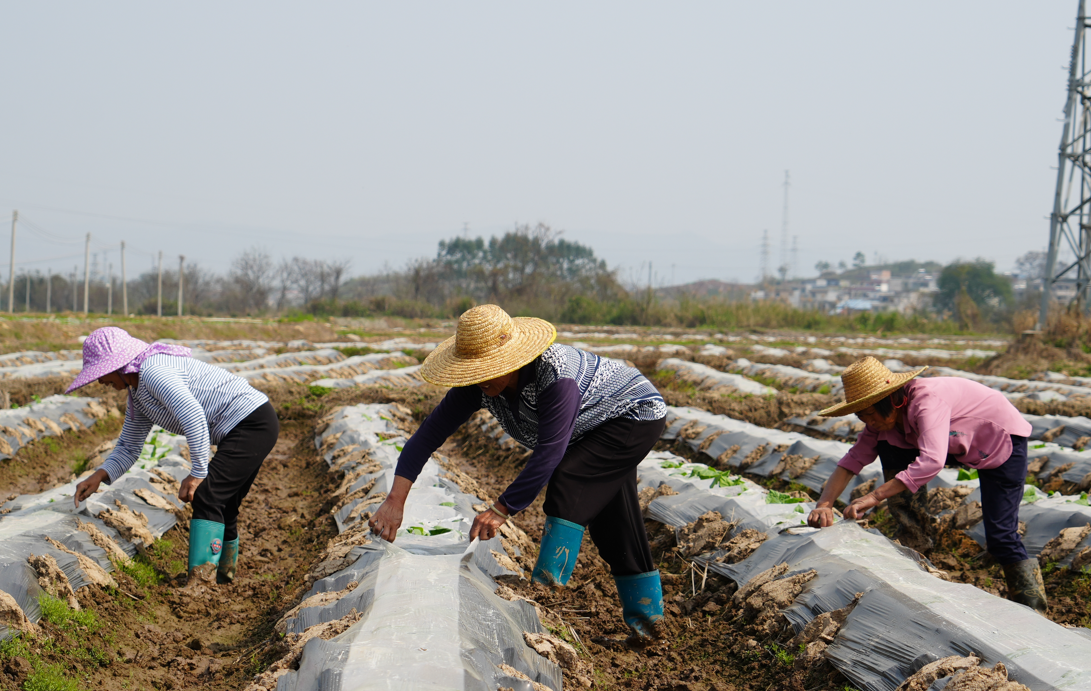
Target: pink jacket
point(945, 416)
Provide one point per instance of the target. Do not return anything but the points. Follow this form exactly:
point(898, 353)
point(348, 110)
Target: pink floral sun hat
point(109, 349)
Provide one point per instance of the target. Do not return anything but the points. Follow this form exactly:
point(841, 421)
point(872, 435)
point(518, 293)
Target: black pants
point(1001, 493)
point(595, 486)
point(233, 469)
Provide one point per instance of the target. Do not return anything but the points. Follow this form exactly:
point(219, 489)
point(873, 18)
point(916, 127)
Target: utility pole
point(159, 306)
point(124, 285)
point(86, 275)
point(784, 233)
point(27, 308)
point(1071, 218)
point(11, 271)
point(181, 270)
point(764, 255)
point(110, 292)
point(48, 289)
point(75, 291)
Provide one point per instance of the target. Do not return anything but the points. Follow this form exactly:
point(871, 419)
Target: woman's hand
point(89, 486)
point(388, 518)
point(487, 524)
point(189, 488)
point(861, 506)
point(821, 517)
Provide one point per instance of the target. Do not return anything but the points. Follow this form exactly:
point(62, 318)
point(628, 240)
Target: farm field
point(93, 600)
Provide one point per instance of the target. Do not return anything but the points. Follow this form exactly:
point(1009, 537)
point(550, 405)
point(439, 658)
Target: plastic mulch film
point(790, 377)
point(702, 489)
point(49, 417)
point(137, 509)
point(923, 353)
point(405, 377)
point(1045, 517)
point(907, 617)
point(1015, 388)
point(427, 615)
point(30, 357)
point(763, 451)
point(427, 621)
point(845, 427)
point(388, 345)
point(325, 356)
point(349, 367)
point(52, 368)
point(706, 378)
point(215, 357)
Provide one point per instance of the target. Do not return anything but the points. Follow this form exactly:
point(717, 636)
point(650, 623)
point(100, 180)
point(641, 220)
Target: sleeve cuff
point(909, 482)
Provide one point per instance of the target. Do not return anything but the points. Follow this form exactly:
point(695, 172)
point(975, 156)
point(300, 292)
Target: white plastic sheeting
point(346, 367)
point(404, 377)
point(706, 378)
point(27, 520)
point(790, 377)
point(30, 357)
point(428, 617)
point(49, 417)
point(325, 356)
point(1016, 388)
point(908, 617)
point(52, 368)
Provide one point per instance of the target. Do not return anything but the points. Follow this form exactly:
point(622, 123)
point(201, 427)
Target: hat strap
point(905, 398)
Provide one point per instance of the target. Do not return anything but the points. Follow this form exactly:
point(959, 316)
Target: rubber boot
point(229, 558)
point(206, 540)
point(641, 605)
point(557, 556)
point(1025, 584)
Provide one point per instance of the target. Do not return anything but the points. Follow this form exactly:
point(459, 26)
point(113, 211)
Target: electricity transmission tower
point(1071, 218)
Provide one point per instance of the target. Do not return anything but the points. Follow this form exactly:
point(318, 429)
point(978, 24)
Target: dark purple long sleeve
point(456, 408)
point(558, 407)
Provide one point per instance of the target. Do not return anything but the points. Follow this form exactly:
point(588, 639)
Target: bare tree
point(252, 277)
point(335, 270)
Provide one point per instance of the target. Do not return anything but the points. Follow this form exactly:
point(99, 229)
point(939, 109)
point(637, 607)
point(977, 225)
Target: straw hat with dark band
point(866, 382)
point(487, 344)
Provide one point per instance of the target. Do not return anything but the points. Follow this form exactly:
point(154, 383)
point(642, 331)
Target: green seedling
point(671, 464)
point(449, 503)
point(1082, 500)
point(1030, 495)
point(964, 474)
point(419, 530)
point(775, 497)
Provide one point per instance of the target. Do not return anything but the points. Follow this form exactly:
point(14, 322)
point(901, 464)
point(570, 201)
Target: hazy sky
point(651, 131)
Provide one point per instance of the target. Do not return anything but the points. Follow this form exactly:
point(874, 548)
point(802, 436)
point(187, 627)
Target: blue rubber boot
point(229, 557)
point(206, 541)
point(557, 556)
point(641, 602)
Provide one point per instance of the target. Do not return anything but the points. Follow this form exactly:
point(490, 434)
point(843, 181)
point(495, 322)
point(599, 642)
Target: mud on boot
point(229, 559)
point(205, 547)
point(1025, 584)
point(557, 555)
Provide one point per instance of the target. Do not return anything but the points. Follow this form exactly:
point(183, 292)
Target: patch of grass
point(80, 464)
point(51, 444)
point(782, 656)
point(49, 678)
point(140, 570)
point(58, 613)
point(319, 391)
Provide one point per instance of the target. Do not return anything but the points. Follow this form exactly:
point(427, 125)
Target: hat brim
point(443, 366)
point(847, 408)
point(89, 374)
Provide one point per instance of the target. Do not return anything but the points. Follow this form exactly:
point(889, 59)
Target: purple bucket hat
point(109, 349)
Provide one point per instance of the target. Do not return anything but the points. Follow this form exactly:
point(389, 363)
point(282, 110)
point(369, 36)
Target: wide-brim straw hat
point(487, 344)
point(866, 382)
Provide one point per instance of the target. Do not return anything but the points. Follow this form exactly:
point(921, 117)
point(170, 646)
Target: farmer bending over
point(590, 421)
point(915, 426)
point(207, 404)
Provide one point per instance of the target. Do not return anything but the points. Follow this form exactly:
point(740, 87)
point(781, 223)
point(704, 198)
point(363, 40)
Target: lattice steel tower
point(1071, 217)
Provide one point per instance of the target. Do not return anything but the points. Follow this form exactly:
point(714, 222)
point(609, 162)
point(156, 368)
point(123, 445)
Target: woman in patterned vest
point(589, 420)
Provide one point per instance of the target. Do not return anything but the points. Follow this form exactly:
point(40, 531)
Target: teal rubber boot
point(557, 556)
point(641, 603)
point(206, 541)
point(229, 558)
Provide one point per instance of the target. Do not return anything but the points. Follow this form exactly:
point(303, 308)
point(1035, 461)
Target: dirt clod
point(1061, 546)
point(923, 678)
point(52, 579)
point(742, 545)
point(704, 534)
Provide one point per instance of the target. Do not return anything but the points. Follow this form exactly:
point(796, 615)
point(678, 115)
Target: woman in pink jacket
point(914, 426)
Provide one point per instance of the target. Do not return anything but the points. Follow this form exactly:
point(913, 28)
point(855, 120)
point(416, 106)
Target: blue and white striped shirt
point(183, 396)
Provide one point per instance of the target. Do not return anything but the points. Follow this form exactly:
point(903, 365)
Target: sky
point(653, 132)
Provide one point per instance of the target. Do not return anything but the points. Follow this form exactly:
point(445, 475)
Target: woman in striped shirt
point(205, 403)
point(590, 421)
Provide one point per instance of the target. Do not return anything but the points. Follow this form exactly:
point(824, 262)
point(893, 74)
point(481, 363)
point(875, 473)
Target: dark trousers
point(1001, 492)
point(233, 469)
point(595, 486)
